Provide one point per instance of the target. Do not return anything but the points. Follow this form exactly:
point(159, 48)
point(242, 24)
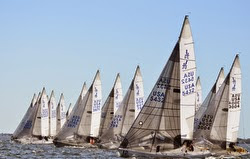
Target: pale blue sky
point(60, 44)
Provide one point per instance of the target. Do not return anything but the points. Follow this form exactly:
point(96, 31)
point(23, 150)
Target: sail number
point(53, 114)
point(97, 105)
point(28, 124)
point(163, 83)
point(115, 121)
point(63, 115)
point(139, 103)
point(44, 113)
point(157, 96)
point(235, 101)
point(206, 122)
point(187, 82)
point(74, 121)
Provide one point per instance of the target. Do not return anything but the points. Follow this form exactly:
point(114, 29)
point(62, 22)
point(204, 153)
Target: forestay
point(168, 113)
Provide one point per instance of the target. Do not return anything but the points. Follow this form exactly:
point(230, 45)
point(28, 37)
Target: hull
point(73, 143)
point(169, 154)
point(33, 141)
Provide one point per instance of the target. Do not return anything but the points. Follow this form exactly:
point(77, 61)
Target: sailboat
point(61, 113)
point(52, 115)
point(167, 118)
point(211, 94)
point(125, 115)
point(35, 127)
point(84, 121)
point(111, 105)
point(198, 97)
point(23, 129)
point(220, 122)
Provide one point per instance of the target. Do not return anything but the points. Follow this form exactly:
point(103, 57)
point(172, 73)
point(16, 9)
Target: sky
point(61, 44)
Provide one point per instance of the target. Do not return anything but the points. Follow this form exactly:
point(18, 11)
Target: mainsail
point(84, 120)
point(220, 122)
point(111, 105)
point(167, 116)
point(41, 121)
point(198, 97)
point(61, 113)
point(52, 115)
point(126, 114)
point(23, 128)
point(207, 101)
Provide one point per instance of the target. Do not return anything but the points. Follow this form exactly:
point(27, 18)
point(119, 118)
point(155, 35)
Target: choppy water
point(9, 149)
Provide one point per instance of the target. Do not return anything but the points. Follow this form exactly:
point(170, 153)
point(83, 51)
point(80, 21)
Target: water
point(9, 149)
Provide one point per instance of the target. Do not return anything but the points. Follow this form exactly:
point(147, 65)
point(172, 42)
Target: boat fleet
point(172, 122)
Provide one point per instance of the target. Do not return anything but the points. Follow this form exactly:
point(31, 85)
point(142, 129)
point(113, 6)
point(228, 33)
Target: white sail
point(69, 110)
point(52, 115)
point(187, 81)
point(125, 115)
point(41, 124)
point(117, 93)
point(21, 129)
point(61, 113)
point(111, 105)
point(138, 91)
point(135, 102)
point(168, 114)
point(96, 106)
point(234, 106)
point(198, 97)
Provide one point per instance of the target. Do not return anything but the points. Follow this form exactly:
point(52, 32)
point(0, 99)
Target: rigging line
point(144, 120)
